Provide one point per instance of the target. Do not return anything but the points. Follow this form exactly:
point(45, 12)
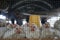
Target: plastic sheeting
point(35, 19)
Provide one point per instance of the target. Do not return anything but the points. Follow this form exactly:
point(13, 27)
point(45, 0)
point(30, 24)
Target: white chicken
point(14, 31)
point(31, 31)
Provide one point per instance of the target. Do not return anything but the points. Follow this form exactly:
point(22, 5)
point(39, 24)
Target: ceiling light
point(2, 17)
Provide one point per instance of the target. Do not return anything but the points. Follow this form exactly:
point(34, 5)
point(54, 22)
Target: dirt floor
point(30, 39)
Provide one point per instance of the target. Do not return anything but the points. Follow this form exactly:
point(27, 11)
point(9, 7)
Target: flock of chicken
point(26, 31)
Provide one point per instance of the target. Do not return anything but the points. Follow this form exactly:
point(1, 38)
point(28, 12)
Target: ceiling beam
point(31, 0)
point(33, 5)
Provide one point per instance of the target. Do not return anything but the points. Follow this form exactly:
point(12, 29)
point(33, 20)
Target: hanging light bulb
point(24, 21)
point(15, 22)
point(10, 22)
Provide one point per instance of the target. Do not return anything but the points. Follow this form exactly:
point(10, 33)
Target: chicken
point(31, 31)
point(14, 31)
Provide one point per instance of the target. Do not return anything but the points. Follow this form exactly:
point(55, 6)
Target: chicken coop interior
point(29, 19)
